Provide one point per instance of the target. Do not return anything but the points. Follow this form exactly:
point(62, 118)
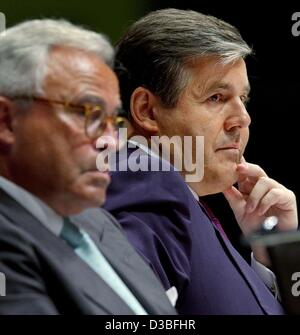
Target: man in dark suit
point(183, 74)
point(58, 94)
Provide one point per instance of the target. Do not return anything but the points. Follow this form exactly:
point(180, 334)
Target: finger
point(243, 160)
point(261, 188)
point(250, 171)
point(269, 200)
point(278, 197)
point(243, 181)
point(246, 186)
point(235, 198)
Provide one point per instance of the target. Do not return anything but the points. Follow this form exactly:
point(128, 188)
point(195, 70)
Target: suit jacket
point(178, 240)
point(45, 276)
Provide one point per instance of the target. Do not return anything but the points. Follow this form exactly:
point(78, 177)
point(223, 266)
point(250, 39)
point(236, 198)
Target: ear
point(143, 105)
point(6, 112)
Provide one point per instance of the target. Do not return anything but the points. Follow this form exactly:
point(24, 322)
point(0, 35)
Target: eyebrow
point(90, 99)
point(226, 86)
point(96, 100)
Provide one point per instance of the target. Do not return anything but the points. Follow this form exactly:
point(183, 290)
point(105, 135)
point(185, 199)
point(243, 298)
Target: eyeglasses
point(94, 118)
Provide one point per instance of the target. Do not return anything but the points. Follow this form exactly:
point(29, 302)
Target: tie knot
point(71, 234)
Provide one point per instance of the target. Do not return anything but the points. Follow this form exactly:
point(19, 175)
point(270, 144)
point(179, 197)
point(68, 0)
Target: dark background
point(274, 71)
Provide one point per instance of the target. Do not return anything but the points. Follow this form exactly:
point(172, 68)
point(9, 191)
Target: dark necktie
point(214, 220)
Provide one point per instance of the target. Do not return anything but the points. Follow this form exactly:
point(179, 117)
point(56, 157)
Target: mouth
point(234, 146)
point(98, 177)
point(231, 151)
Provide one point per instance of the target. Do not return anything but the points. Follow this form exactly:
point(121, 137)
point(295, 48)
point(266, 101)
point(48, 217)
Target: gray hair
point(24, 51)
point(155, 51)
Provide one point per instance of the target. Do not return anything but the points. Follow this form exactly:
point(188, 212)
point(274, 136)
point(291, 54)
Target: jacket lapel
point(261, 293)
point(134, 272)
point(61, 256)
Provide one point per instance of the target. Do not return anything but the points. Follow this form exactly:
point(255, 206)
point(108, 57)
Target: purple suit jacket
point(177, 239)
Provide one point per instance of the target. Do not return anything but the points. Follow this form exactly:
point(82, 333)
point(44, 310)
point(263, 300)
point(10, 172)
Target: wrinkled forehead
point(70, 69)
point(209, 74)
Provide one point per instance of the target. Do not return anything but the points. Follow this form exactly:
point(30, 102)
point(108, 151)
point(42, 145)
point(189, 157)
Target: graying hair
point(155, 51)
point(24, 51)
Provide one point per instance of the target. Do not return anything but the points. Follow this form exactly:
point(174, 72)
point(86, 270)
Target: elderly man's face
point(52, 156)
point(212, 105)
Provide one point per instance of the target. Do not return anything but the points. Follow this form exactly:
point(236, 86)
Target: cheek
point(210, 139)
point(33, 143)
point(244, 139)
point(84, 157)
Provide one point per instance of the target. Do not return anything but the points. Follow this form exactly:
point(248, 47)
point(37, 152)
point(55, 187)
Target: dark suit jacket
point(45, 276)
point(177, 239)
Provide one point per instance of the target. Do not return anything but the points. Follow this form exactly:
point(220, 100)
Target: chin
point(97, 199)
point(89, 197)
point(230, 181)
point(217, 183)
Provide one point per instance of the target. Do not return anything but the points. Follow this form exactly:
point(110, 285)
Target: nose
point(238, 116)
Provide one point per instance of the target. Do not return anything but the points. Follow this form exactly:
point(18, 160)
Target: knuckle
point(292, 194)
point(259, 169)
point(275, 192)
point(265, 200)
point(264, 182)
point(264, 179)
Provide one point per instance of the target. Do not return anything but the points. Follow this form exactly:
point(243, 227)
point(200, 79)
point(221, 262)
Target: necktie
point(87, 250)
point(214, 220)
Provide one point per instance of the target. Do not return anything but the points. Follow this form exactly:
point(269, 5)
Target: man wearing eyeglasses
point(58, 94)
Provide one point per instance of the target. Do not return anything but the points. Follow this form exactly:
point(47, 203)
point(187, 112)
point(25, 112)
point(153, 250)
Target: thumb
point(235, 199)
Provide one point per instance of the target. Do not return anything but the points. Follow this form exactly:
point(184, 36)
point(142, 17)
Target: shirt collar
point(196, 196)
point(35, 206)
point(151, 153)
point(144, 148)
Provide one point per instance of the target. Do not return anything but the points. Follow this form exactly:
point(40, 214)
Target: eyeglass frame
point(88, 110)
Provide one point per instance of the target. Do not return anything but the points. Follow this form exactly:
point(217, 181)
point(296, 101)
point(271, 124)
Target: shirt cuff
point(266, 275)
